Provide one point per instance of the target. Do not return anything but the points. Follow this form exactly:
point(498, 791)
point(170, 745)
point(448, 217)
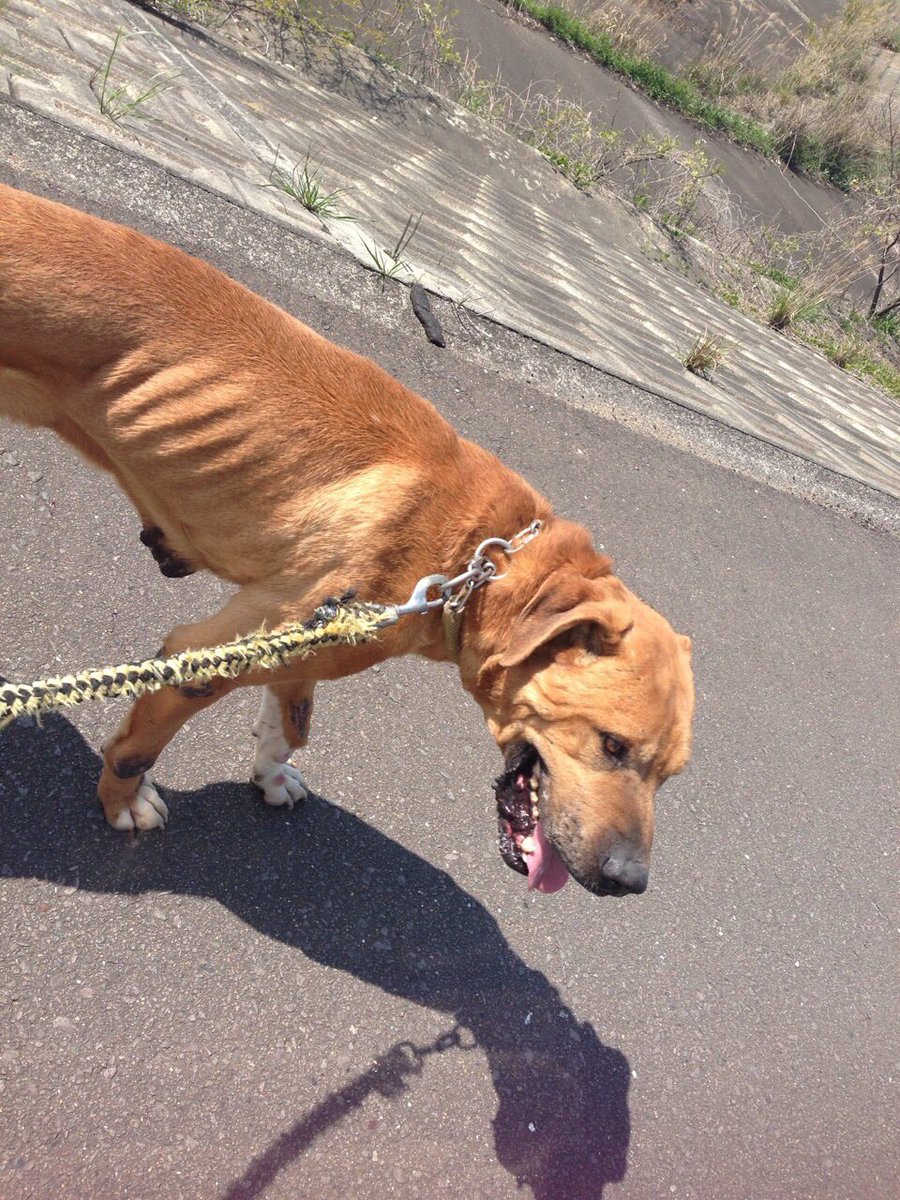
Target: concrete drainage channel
point(500, 230)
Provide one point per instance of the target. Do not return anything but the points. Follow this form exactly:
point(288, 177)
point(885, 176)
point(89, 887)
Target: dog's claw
point(282, 785)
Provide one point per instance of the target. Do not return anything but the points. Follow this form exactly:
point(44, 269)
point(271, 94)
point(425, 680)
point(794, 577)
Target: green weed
point(791, 305)
point(303, 184)
point(118, 101)
point(392, 264)
point(883, 374)
point(888, 325)
point(776, 274)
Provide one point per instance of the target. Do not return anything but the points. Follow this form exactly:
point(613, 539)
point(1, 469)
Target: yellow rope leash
point(333, 623)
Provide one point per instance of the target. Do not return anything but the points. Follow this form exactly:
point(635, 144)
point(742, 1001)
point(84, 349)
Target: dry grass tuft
point(818, 107)
point(725, 69)
point(633, 28)
point(707, 354)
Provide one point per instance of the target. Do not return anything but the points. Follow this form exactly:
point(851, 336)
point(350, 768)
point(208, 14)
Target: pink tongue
point(546, 870)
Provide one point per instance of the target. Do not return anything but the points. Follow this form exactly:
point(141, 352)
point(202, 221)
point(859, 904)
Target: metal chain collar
point(454, 593)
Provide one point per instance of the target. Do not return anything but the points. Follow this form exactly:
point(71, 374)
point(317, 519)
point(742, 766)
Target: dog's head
point(589, 694)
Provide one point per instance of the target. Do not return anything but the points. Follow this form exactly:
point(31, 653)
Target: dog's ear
point(592, 612)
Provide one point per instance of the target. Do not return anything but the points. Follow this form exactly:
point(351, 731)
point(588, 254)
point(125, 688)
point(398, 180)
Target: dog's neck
point(494, 609)
point(496, 503)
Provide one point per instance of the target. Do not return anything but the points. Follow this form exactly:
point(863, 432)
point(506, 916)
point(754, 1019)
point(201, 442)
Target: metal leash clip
point(481, 569)
point(418, 601)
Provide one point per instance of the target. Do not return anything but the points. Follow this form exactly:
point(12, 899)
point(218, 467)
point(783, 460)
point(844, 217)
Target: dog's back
point(234, 428)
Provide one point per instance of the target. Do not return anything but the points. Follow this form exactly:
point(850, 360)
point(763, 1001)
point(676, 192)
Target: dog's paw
point(146, 811)
point(281, 784)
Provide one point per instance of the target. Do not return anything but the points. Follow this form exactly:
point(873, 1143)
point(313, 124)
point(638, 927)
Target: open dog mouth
point(521, 790)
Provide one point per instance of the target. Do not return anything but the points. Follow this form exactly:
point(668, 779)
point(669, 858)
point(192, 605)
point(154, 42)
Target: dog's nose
point(624, 872)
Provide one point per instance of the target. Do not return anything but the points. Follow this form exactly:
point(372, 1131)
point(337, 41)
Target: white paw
point(281, 784)
point(146, 811)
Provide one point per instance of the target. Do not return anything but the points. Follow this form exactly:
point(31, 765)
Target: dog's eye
point(613, 747)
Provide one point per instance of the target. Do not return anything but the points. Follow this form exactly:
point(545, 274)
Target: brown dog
point(255, 449)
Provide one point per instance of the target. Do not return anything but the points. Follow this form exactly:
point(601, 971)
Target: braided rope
point(333, 623)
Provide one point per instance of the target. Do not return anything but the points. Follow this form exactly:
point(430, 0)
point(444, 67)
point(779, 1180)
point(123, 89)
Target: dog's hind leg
point(169, 564)
point(281, 728)
point(70, 431)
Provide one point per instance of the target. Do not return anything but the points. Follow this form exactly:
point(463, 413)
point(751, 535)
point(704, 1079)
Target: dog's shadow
point(562, 1125)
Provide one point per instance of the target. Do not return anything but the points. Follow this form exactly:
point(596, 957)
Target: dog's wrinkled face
point(591, 703)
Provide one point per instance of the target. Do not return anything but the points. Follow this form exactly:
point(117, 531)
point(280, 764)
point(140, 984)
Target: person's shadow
point(562, 1126)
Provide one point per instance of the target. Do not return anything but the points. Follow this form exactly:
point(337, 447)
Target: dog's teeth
point(527, 845)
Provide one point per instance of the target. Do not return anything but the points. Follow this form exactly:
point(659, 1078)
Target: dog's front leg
point(281, 728)
point(129, 800)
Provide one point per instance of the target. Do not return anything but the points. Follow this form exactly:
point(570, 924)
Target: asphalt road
point(359, 998)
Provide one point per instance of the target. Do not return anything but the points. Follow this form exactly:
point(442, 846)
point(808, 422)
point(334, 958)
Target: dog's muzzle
point(524, 845)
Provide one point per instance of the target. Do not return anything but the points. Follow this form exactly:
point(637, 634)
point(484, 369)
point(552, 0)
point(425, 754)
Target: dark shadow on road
point(328, 884)
point(389, 1075)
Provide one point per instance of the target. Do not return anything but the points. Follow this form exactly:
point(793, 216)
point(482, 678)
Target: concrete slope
point(500, 228)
